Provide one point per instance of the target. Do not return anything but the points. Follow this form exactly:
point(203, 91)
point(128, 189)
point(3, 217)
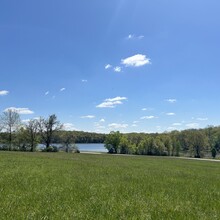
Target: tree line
point(15, 135)
point(193, 142)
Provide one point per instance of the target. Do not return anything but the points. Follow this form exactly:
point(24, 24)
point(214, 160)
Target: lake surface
point(82, 147)
point(92, 147)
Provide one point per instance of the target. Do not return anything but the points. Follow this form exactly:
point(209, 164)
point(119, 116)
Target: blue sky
point(133, 66)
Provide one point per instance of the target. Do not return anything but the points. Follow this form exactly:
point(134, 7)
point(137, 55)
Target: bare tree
point(47, 127)
point(10, 121)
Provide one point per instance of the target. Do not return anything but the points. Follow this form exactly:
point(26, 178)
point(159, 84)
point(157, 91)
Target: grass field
point(82, 186)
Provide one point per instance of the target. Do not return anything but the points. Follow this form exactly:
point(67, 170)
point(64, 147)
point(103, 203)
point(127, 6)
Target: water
point(82, 147)
point(92, 147)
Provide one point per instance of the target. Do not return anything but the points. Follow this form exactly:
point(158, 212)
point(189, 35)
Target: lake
point(83, 147)
point(92, 147)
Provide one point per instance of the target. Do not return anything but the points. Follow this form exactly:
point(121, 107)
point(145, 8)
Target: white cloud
point(117, 126)
point(69, 127)
point(102, 120)
point(134, 125)
point(88, 116)
point(118, 98)
point(171, 100)
point(192, 125)
point(130, 36)
point(172, 128)
point(140, 37)
point(99, 126)
point(4, 92)
point(84, 80)
point(62, 89)
point(25, 120)
point(135, 122)
point(108, 66)
point(22, 111)
point(136, 60)
point(147, 109)
point(111, 102)
point(170, 113)
point(117, 69)
point(176, 124)
point(134, 37)
point(148, 117)
point(46, 93)
point(202, 119)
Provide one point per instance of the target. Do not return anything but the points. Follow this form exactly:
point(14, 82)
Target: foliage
point(9, 123)
point(47, 128)
point(112, 142)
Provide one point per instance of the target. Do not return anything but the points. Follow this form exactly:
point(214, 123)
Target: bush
point(50, 149)
point(214, 152)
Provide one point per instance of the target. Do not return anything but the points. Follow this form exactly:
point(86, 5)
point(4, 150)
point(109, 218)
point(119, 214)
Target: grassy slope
point(79, 186)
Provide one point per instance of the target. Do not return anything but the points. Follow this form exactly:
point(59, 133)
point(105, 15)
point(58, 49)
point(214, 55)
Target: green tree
point(10, 122)
point(214, 152)
point(112, 141)
point(198, 142)
point(67, 140)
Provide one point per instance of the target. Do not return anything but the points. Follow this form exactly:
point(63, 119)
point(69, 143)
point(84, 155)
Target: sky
point(132, 66)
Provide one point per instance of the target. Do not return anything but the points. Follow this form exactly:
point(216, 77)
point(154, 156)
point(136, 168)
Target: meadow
point(85, 186)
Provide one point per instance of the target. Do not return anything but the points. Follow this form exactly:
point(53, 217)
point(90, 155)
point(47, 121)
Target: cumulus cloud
point(171, 100)
point(108, 66)
point(136, 60)
point(84, 80)
point(69, 127)
point(102, 120)
point(202, 119)
point(117, 69)
point(117, 126)
point(135, 122)
point(176, 124)
point(62, 89)
point(25, 120)
point(172, 128)
point(111, 102)
point(22, 111)
point(47, 93)
point(3, 92)
point(88, 116)
point(170, 113)
point(149, 117)
point(192, 125)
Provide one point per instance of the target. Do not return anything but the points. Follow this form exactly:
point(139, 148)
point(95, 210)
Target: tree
point(112, 141)
point(214, 152)
point(47, 127)
point(197, 141)
point(124, 145)
point(32, 128)
point(68, 139)
point(10, 121)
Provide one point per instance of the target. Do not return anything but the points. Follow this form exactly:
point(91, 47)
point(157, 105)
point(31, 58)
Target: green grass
point(81, 186)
